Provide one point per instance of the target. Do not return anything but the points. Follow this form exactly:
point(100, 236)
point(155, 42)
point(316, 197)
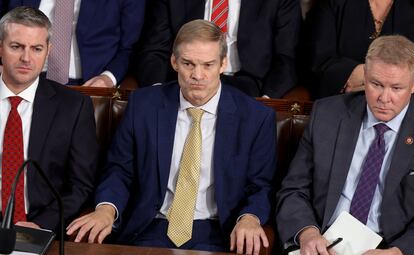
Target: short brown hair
point(392, 49)
point(27, 16)
point(200, 30)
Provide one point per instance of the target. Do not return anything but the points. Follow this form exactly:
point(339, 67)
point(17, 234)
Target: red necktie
point(219, 14)
point(12, 159)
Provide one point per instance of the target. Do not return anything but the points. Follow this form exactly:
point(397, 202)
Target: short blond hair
point(200, 30)
point(392, 49)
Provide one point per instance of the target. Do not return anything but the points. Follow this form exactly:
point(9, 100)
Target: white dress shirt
point(25, 110)
point(75, 67)
point(233, 61)
point(206, 206)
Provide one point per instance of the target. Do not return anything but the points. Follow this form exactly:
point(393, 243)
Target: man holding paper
point(357, 155)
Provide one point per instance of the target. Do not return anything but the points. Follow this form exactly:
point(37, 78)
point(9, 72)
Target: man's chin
point(384, 115)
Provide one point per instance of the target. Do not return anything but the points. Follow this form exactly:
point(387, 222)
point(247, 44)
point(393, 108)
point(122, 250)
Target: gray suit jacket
point(317, 174)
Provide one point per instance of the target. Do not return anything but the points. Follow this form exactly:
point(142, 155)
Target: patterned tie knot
point(381, 128)
point(15, 101)
point(196, 114)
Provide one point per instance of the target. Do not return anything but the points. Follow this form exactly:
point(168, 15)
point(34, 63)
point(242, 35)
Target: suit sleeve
point(153, 61)
point(294, 209)
point(132, 19)
point(116, 184)
point(281, 76)
point(261, 169)
point(79, 180)
point(405, 242)
point(331, 70)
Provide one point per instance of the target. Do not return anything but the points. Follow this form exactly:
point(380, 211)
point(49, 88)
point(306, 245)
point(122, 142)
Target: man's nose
point(197, 72)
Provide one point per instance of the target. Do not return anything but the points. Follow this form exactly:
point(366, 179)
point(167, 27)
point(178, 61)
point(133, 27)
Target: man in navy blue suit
point(237, 157)
point(102, 37)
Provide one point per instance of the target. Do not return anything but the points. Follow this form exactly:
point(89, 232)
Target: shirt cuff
point(251, 214)
point(111, 76)
point(109, 203)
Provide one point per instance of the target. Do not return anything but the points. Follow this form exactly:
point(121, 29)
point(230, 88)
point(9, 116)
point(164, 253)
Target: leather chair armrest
point(270, 233)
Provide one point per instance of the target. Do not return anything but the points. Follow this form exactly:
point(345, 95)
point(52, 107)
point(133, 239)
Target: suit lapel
point(167, 119)
point(347, 137)
point(227, 124)
point(44, 109)
point(401, 159)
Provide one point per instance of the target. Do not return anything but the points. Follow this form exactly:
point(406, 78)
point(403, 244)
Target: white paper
point(22, 253)
point(357, 238)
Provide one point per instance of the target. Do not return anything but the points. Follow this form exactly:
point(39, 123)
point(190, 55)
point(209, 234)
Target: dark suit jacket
point(140, 156)
point(338, 34)
point(63, 142)
point(105, 32)
point(311, 190)
point(266, 40)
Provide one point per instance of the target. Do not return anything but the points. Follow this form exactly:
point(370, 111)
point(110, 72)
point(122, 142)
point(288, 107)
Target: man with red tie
point(44, 121)
point(261, 38)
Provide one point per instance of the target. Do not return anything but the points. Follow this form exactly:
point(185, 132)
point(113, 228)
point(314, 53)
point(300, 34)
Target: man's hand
point(312, 242)
point(102, 81)
point(390, 251)
point(27, 224)
point(247, 236)
point(98, 224)
point(356, 80)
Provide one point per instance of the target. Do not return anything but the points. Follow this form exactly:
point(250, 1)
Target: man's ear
point(223, 65)
point(174, 62)
point(49, 46)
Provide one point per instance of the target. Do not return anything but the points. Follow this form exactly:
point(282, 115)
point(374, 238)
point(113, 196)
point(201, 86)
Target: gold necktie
point(181, 214)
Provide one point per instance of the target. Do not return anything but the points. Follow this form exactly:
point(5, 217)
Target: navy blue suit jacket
point(105, 32)
point(140, 156)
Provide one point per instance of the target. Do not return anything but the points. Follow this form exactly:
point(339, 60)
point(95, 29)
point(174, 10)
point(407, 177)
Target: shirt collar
point(210, 106)
point(28, 94)
point(394, 124)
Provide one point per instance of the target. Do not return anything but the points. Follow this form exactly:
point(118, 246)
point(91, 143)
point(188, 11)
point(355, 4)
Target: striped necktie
point(220, 13)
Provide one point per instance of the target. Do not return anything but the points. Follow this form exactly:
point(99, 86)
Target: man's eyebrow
point(186, 60)
point(33, 46)
point(37, 45)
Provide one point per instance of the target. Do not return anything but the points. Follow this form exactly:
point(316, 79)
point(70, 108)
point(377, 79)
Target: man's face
point(199, 68)
point(388, 88)
point(23, 52)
